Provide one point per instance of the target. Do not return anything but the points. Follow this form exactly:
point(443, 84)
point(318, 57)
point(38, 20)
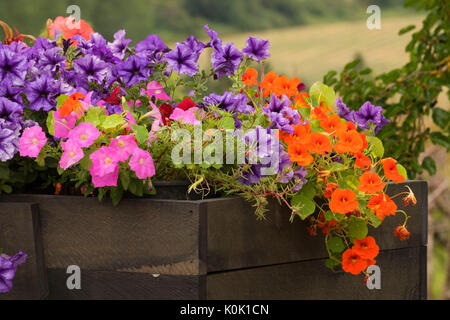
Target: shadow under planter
point(206, 249)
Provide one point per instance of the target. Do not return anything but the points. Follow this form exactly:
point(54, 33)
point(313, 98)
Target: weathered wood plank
point(140, 235)
point(20, 230)
point(236, 239)
point(113, 285)
point(402, 277)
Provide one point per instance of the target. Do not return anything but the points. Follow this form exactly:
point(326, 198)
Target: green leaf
point(323, 93)
point(60, 100)
point(375, 220)
point(4, 171)
point(336, 245)
point(141, 133)
point(51, 123)
point(124, 179)
point(136, 187)
point(401, 169)
point(308, 190)
point(357, 228)
point(6, 188)
point(86, 162)
point(331, 263)
point(95, 116)
point(116, 195)
point(376, 146)
point(226, 123)
point(439, 138)
point(429, 165)
point(112, 121)
point(406, 29)
point(304, 205)
point(441, 117)
point(336, 166)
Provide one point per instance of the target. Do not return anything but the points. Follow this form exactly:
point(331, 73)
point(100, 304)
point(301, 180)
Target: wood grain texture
point(113, 285)
point(237, 240)
point(402, 277)
point(20, 230)
point(138, 234)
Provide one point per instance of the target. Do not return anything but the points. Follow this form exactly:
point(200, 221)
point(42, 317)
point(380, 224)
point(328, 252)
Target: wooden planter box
point(208, 249)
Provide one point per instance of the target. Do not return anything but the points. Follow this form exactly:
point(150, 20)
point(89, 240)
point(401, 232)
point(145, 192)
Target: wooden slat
point(402, 277)
point(236, 239)
point(20, 230)
point(140, 235)
point(113, 285)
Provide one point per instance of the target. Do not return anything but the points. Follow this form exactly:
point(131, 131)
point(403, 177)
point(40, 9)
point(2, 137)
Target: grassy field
point(310, 51)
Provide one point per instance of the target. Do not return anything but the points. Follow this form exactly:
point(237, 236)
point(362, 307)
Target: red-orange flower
point(382, 205)
point(329, 190)
point(285, 86)
point(346, 127)
point(300, 101)
point(343, 201)
point(70, 104)
point(402, 233)
point(366, 247)
point(331, 124)
point(301, 134)
point(354, 263)
point(69, 27)
point(370, 183)
point(250, 76)
point(268, 84)
point(349, 142)
point(298, 152)
point(362, 161)
point(391, 171)
point(409, 198)
point(319, 143)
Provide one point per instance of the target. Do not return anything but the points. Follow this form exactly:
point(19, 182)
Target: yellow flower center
point(141, 161)
point(121, 144)
point(35, 141)
point(72, 154)
point(108, 160)
point(83, 137)
point(157, 91)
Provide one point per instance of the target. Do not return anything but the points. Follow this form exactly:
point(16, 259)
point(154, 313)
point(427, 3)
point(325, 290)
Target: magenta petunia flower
point(104, 161)
point(107, 180)
point(182, 116)
point(72, 154)
point(141, 163)
point(155, 89)
point(124, 145)
point(63, 125)
point(32, 141)
point(84, 134)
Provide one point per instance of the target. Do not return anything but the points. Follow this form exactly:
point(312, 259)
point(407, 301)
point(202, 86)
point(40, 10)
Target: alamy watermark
point(374, 20)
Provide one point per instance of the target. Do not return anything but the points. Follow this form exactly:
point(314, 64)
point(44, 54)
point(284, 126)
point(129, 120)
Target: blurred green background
point(308, 38)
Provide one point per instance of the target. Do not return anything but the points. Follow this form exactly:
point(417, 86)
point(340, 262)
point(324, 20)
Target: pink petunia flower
point(141, 163)
point(32, 141)
point(104, 161)
point(84, 134)
point(72, 154)
point(182, 116)
point(124, 145)
point(107, 180)
point(155, 89)
point(63, 125)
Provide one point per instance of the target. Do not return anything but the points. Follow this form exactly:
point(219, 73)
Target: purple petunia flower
point(151, 47)
point(194, 45)
point(43, 91)
point(281, 115)
point(9, 139)
point(182, 59)
point(120, 45)
point(229, 102)
point(92, 68)
point(216, 42)
point(257, 49)
point(134, 70)
point(226, 60)
point(368, 113)
point(8, 268)
point(343, 111)
point(51, 60)
point(13, 66)
point(10, 111)
point(11, 92)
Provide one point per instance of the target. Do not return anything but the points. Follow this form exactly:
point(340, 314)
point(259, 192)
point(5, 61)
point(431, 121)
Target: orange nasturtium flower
point(366, 248)
point(409, 198)
point(71, 104)
point(370, 183)
point(285, 86)
point(391, 171)
point(349, 142)
point(362, 161)
point(343, 201)
point(354, 263)
point(329, 189)
point(319, 143)
point(301, 134)
point(250, 76)
point(298, 152)
point(268, 84)
point(331, 124)
point(346, 127)
point(299, 100)
point(382, 205)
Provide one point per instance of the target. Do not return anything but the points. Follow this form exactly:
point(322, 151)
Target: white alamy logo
point(374, 20)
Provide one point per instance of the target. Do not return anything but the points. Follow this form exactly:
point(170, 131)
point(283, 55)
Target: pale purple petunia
point(9, 139)
point(42, 93)
point(10, 111)
point(226, 60)
point(368, 113)
point(13, 66)
point(8, 269)
point(183, 60)
point(257, 49)
point(120, 45)
point(92, 68)
point(134, 70)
